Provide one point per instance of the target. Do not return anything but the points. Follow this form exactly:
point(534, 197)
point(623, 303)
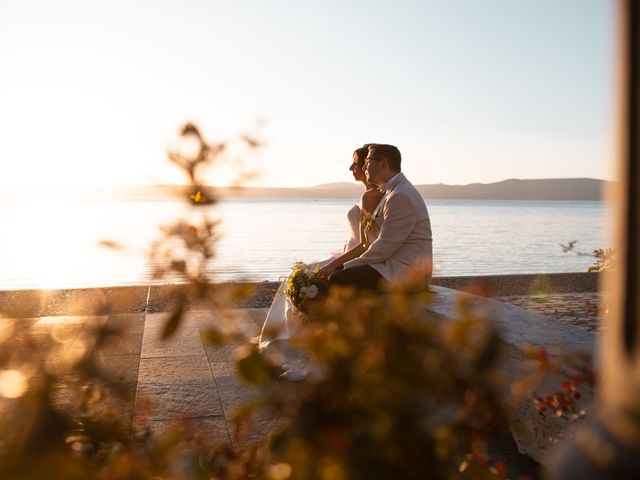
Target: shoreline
point(158, 298)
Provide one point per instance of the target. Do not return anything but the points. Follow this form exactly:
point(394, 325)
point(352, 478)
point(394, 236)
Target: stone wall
point(145, 298)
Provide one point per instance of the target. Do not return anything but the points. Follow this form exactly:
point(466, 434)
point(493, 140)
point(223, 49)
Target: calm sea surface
point(52, 244)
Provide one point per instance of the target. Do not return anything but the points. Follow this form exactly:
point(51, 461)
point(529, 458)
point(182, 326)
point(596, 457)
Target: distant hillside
point(515, 189)
point(512, 189)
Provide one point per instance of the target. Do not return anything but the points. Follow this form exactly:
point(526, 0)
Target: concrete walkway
point(188, 380)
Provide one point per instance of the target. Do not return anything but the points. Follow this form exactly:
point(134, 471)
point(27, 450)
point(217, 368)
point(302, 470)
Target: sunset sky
point(470, 91)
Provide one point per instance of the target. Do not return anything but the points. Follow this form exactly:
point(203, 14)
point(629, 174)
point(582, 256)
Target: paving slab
point(178, 387)
point(211, 431)
point(185, 341)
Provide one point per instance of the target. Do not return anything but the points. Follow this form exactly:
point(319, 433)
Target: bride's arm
point(370, 200)
point(352, 254)
point(337, 263)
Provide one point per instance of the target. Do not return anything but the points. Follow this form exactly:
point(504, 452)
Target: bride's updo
point(360, 154)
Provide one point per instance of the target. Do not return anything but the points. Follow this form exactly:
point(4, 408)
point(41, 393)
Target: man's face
point(372, 167)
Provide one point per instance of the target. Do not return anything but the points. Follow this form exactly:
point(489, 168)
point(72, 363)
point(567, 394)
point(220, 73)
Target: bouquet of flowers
point(305, 286)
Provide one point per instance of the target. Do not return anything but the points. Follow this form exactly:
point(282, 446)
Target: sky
point(94, 93)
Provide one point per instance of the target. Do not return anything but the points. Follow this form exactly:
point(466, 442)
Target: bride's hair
point(361, 153)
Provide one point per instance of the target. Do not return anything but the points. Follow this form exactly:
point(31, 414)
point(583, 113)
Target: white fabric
point(403, 240)
point(282, 320)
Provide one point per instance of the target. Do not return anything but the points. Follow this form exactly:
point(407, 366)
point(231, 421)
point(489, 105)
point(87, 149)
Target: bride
point(282, 319)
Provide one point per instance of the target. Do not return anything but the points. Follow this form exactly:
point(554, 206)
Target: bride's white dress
point(282, 320)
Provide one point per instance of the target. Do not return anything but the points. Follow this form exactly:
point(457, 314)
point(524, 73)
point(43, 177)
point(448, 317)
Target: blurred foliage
point(605, 257)
point(605, 260)
point(62, 416)
point(393, 391)
point(575, 370)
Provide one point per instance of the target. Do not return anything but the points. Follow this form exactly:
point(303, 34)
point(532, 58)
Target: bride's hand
point(327, 270)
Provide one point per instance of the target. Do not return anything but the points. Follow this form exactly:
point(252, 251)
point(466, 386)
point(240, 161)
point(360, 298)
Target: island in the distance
point(512, 189)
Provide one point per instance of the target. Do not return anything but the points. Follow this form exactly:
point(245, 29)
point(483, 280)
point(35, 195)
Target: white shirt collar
point(389, 182)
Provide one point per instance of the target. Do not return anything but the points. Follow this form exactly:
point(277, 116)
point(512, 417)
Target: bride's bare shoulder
point(370, 200)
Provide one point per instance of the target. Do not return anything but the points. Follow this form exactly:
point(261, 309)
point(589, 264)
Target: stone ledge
point(534, 434)
point(155, 298)
point(522, 284)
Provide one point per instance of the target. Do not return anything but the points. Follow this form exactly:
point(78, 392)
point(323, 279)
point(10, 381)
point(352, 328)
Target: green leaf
point(214, 337)
point(174, 321)
point(245, 410)
point(254, 369)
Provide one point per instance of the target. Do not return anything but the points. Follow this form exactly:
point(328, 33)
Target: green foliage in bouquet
point(305, 287)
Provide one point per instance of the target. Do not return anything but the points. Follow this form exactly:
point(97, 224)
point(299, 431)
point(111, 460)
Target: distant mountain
point(512, 189)
point(516, 189)
point(329, 186)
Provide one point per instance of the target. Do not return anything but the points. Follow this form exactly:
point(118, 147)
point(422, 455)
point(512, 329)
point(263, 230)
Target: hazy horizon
point(311, 186)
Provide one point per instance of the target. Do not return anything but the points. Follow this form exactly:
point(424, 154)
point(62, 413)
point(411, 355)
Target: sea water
point(64, 243)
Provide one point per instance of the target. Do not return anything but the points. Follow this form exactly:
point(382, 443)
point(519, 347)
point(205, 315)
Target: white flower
point(312, 291)
point(303, 291)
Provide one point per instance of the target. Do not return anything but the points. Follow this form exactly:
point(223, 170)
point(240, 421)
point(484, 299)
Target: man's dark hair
point(391, 153)
point(361, 153)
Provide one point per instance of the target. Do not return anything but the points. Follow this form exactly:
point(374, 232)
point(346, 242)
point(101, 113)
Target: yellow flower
point(369, 223)
point(199, 197)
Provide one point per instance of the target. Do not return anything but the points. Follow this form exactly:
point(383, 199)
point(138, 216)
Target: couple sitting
point(390, 238)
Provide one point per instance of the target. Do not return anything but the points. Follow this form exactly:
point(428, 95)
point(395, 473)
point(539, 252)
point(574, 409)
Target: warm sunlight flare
point(12, 383)
point(46, 240)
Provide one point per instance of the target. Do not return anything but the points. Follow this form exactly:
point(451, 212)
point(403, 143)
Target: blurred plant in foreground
point(61, 412)
point(394, 390)
point(605, 260)
point(605, 257)
point(576, 371)
point(392, 393)
point(186, 248)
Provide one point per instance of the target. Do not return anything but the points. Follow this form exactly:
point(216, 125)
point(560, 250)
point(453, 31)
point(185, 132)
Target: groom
point(403, 246)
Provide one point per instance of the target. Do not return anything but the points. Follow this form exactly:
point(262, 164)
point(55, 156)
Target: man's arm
point(399, 220)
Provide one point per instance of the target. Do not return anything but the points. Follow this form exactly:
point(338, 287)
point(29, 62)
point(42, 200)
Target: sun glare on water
point(48, 240)
point(41, 240)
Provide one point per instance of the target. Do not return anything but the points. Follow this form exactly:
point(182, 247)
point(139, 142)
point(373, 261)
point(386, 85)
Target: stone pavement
point(181, 380)
point(186, 379)
point(577, 309)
